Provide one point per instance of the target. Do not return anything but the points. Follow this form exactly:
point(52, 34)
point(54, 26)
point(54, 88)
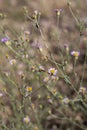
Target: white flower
point(66, 100)
point(13, 61)
point(82, 90)
point(26, 119)
point(52, 71)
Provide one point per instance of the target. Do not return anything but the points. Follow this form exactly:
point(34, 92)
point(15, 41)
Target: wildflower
point(58, 11)
point(52, 71)
point(13, 61)
point(41, 68)
point(27, 33)
point(76, 54)
point(82, 90)
point(26, 36)
point(66, 47)
point(1, 94)
point(33, 68)
point(36, 14)
point(66, 100)
point(54, 91)
point(29, 89)
point(46, 79)
point(26, 119)
point(5, 39)
point(49, 99)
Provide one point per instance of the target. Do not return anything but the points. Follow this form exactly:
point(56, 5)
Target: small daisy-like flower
point(5, 39)
point(58, 11)
point(76, 54)
point(46, 79)
point(52, 71)
point(26, 119)
point(41, 68)
point(82, 90)
point(66, 100)
point(27, 33)
point(29, 89)
point(13, 61)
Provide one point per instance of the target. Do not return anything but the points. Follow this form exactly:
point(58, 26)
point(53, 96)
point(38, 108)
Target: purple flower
point(5, 39)
point(75, 53)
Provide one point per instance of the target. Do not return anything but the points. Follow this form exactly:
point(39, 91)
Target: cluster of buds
point(26, 35)
point(36, 15)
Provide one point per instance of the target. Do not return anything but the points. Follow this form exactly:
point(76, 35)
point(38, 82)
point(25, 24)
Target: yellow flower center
point(52, 71)
point(76, 54)
point(29, 89)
